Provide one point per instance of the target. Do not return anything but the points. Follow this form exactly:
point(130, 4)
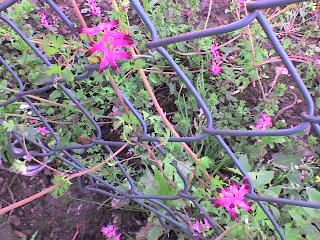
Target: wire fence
point(168, 217)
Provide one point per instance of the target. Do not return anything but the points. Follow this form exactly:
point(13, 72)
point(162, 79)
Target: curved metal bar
point(284, 201)
point(63, 17)
point(252, 6)
point(7, 4)
point(145, 18)
point(272, 219)
point(203, 33)
point(312, 119)
point(25, 38)
point(280, 132)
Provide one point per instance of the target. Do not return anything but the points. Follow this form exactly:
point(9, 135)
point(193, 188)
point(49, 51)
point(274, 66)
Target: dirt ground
point(74, 214)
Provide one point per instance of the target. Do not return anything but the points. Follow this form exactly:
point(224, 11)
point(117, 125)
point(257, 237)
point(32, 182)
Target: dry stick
point(36, 160)
point(52, 188)
point(81, 19)
point(39, 98)
point(163, 115)
point(208, 16)
point(117, 91)
point(254, 56)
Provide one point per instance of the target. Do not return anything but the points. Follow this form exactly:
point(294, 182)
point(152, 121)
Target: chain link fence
point(168, 216)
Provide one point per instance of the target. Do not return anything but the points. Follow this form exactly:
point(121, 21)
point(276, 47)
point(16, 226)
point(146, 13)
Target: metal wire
point(168, 217)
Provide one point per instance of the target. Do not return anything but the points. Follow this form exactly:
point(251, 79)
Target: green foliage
point(60, 190)
point(279, 166)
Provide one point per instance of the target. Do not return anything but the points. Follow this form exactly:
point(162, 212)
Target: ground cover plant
point(239, 75)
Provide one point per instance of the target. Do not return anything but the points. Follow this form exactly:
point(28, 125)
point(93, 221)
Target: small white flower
point(24, 106)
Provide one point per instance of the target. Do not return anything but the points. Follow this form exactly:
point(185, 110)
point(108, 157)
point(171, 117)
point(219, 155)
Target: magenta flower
point(110, 231)
point(44, 20)
point(216, 61)
point(43, 130)
point(215, 67)
point(214, 50)
point(199, 225)
point(264, 122)
point(239, 2)
point(94, 9)
point(111, 41)
point(232, 198)
point(32, 121)
point(129, 154)
point(103, 26)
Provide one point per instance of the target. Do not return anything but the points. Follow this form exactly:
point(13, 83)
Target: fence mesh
point(168, 216)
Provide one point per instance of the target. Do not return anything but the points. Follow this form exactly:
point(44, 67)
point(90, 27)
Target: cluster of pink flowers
point(43, 131)
point(264, 122)
point(216, 61)
point(198, 226)
point(111, 41)
point(233, 197)
point(44, 20)
point(94, 9)
point(239, 2)
point(110, 231)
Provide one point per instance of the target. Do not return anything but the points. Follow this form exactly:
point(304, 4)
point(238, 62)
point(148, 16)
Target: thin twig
point(116, 89)
point(81, 19)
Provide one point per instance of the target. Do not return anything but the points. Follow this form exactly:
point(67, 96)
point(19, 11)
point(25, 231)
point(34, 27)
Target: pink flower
point(110, 231)
point(73, 104)
point(199, 225)
point(232, 198)
point(43, 130)
point(118, 237)
point(216, 61)
point(103, 26)
point(215, 68)
point(32, 121)
point(214, 50)
point(44, 20)
point(94, 9)
point(264, 122)
point(111, 41)
point(129, 154)
point(239, 2)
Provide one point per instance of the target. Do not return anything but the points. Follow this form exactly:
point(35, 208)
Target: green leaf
point(163, 187)
point(50, 50)
point(286, 159)
point(55, 95)
point(203, 165)
point(62, 188)
point(42, 77)
point(140, 63)
point(84, 37)
point(313, 194)
point(77, 151)
point(66, 73)
point(261, 178)
point(54, 69)
point(19, 166)
point(59, 42)
point(155, 232)
point(245, 162)
point(8, 125)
